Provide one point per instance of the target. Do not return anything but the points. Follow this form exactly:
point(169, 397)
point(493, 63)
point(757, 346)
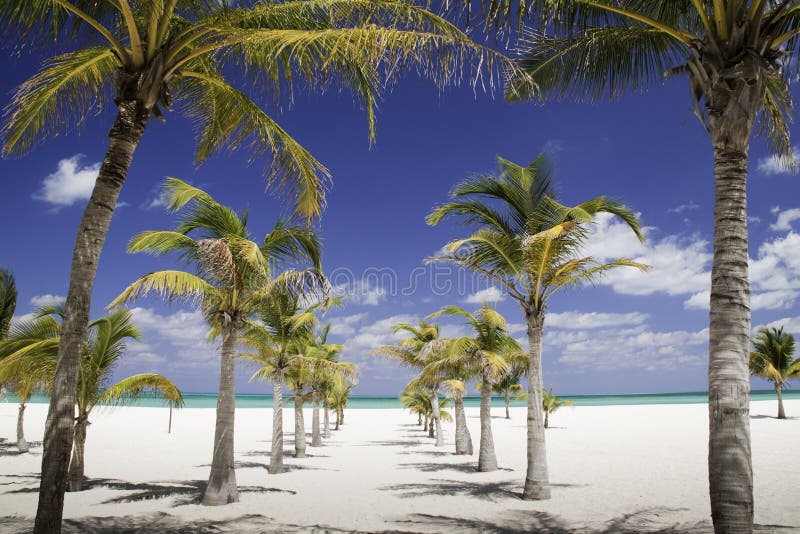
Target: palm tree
point(739, 58)
point(551, 403)
point(141, 57)
point(233, 280)
point(33, 352)
point(487, 355)
point(8, 301)
point(423, 347)
point(772, 359)
point(529, 245)
point(417, 399)
point(456, 389)
point(508, 384)
point(338, 398)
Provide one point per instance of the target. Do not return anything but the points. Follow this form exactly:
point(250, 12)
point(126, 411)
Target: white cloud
point(71, 182)
point(553, 146)
point(789, 324)
point(181, 335)
point(47, 300)
point(345, 325)
point(777, 164)
point(361, 292)
point(785, 219)
point(768, 300)
point(777, 264)
point(490, 294)
point(160, 200)
point(698, 301)
point(574, 320)
point(372, 335)
point(17, 319)
point(689, 206)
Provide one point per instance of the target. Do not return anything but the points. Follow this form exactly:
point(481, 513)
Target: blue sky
point(634, 332)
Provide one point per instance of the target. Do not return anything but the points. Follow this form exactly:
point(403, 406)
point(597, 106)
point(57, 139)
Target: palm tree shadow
point(9, 448)
point(433, 467)
point(489, 491)
point(772, 417)
point(187, 491)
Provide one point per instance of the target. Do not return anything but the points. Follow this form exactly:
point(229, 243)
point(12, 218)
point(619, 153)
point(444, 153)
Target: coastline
point(635, 468)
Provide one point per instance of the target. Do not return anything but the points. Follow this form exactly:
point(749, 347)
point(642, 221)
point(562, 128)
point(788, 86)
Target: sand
point(613, 469)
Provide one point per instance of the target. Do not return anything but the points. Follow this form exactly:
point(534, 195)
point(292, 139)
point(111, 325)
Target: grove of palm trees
point(334, 324)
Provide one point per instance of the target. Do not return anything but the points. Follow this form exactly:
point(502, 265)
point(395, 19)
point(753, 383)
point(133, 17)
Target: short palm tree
point(739, 57)
point(234, 278)
point(488, 354)
point(139, 58)
point(327, 370)
point(33, 353)
point(423, 347)
point(771, 358)
point(551, 403)
point(528, 244)
point(338, 399)
point(508, 384)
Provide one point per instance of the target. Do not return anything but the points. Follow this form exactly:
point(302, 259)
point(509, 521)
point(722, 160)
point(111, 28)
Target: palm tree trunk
point(463, 439)
point(221, 487)
point(778, 390)
point(327, 423)
point(124, 137)
point(299, 426)
point(337, 420)
point(22, 444)
point(316, 439)
point(508, 400)
point(276, 453)
point(487, 461)
point(419, 418)
point(732, 104)
point(547, 419)
point(425, 428)
point(537, 483)
point(76, 465)
point(437, 418)
point(169, 425)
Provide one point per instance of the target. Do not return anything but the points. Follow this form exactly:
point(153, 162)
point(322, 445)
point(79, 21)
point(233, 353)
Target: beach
point(629, 468)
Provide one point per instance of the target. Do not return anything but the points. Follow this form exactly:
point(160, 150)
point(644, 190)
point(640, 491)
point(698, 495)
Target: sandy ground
point(613, 469)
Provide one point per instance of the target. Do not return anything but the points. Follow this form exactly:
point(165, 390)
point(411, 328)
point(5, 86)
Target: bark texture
point(124, 136)
point(327, 418)
point(299, 426)
point(487, 461)
point(316, 438)
point(537, 482)
point(22, 444)
point(779, 392)
point(76, 465)
point(507, 398)
point(221, 487)
point(731, 105)
point(437, 418)
point(463, 439)
point(276, 453)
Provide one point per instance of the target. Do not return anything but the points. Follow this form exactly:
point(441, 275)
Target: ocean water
point(209, 400)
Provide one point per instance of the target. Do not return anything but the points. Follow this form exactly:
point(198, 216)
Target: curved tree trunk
point(327, 423)
point(537, 482)
point(124, 137)
point(337, 420)
point(299, 426)
point(276, 453)
point(508, 401)
point(221, 487)
point(76, 465)
point(419, 418)
point(463, 439)
point(732, 104)
point(22, 444)
point(437, 418)
point(779, 392)
point(547, 419)
point(487, 461)
point(425, 428)
point(316, 439)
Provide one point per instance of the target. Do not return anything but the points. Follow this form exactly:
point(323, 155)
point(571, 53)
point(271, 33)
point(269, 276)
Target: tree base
point(220, 497)
point(535, 491)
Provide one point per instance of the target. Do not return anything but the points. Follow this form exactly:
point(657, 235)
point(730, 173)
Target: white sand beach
point(613, 469)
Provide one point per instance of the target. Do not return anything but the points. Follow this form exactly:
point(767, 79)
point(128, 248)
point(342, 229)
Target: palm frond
point(129, 389)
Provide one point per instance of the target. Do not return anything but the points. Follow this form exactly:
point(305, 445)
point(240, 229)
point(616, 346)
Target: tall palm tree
point(551, 403)
point(529, 244)
point(771, 358)
point(487, 354)
point(141, 57)
point(31, 355)
point(234, 278)
point(738, 57)
point(423, 347)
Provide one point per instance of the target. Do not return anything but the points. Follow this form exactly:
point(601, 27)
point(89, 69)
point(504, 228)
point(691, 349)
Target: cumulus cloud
point(178, 338)
point(785, 219)
point(777, 164)
point(47, 300)
point(72, 182)
point(372, 335)
point(689, 206)
point(490, 294)
point(159, 200)
point(361, 292)
point(345, 325)
point(574, 320)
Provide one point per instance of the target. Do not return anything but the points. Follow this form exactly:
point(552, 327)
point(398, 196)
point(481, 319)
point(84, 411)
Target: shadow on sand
point(433, 467)
point(490, 491)
point(9, 448)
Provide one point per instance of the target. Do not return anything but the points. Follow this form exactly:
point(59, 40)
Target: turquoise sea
point(209, 400)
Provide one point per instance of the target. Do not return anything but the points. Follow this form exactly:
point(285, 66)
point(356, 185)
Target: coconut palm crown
point(530, 245)
point(234, 277)
point(771, 358)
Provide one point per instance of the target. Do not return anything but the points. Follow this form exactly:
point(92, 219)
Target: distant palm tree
point(488, 354)
point(338, 399)
point(508, 384)
point(326, 371)
point(139, 57)
point(739, 58)
point(530, 245)
point(423, 347)
point(234, 279)
point(772, 359)
point(551, 403)
point(31, 356)
point(456, 389)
